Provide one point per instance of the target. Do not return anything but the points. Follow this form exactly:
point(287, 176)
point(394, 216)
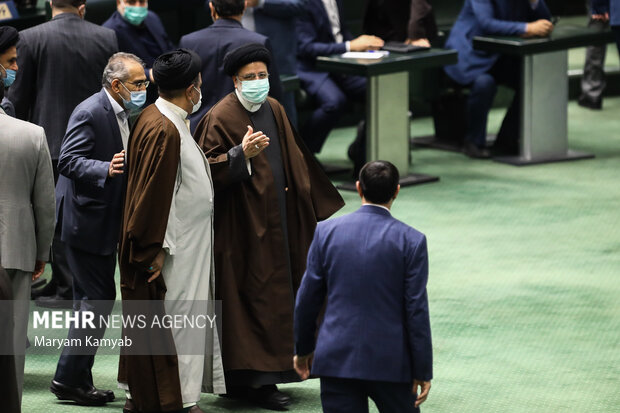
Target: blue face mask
point(10, 76)
point(135, 14)
point(255, 91)
point(137, 99)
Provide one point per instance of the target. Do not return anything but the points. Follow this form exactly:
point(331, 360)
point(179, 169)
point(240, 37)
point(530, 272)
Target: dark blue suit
point(147, 41)
point(482, 71)
point(212, 44)
point(372, 270)
point(613, 8)
point(88, 218)
point(276, 20)
point(332, 92)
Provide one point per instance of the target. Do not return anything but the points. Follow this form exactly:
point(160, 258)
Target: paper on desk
point(377, 54)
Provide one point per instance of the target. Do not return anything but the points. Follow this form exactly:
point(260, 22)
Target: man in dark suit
point(212, 44)
point(408, 21)
point(89, 198)
point(276, 20)
point(608, 10)
point(483, 71)
point(60, 62)
point(140, 32)
point(375, 338)
point(321, 32)
point(8, 65)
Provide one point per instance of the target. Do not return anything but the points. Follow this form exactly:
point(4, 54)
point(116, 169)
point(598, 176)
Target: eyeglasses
point(141, 84)
point(254, 76)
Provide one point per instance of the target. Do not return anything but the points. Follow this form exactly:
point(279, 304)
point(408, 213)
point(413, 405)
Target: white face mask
point(197, 104)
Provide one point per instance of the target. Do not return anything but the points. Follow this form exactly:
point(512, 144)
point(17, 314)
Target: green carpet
point(524, 282)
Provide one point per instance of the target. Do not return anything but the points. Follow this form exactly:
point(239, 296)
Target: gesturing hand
point(254, 143)
point(116, 164)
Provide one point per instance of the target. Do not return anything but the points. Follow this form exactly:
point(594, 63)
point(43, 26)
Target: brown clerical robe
point(152, 163)
point(253, 279)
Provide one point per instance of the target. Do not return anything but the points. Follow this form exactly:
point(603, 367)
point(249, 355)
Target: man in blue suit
point(375, 338)
point(140, 32)
point(608, 10)
point(89, 197)
point(321, 32)
point(212, 44)
point(482, 71)
point(276, 20)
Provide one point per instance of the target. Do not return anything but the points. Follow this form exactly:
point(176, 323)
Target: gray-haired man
point(89, 198)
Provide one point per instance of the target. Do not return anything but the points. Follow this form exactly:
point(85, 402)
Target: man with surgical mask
point(141, 32)
point(270, 194)
point(89, 197)
point(8, 64)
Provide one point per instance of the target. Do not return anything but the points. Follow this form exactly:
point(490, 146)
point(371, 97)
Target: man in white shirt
point(89, 197)
point(166, 247)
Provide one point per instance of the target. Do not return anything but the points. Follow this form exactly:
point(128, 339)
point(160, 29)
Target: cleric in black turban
point(241, 56)
point(8, 38)
point(177, 69)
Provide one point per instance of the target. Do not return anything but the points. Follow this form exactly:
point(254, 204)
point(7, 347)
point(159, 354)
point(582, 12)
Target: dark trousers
point(507, 72)
point(593, 80)
point(616, 31)
point(62, 279)
point(331, 99)
point(351, 396)
point(93, 290)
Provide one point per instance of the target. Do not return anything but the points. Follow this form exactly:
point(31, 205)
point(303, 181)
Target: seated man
point(321, 32)
point(140, 32)
point(269, 194)
point(225, 34)
point(409, 21)
point(483, 71)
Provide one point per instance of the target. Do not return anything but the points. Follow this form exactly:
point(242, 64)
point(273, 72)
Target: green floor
point(524, 281)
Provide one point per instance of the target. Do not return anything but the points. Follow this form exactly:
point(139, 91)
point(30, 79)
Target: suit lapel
point(112, 120)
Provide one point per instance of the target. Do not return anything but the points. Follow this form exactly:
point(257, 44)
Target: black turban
point(8, 38)
point(241, 56)
point(176, 70)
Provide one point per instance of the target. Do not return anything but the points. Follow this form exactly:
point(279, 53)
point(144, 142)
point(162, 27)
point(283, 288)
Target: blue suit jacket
point(372, 269)
point(212, 44)
point(88, 203)
point(276, 20)
point(487, 17)
point(314, 39)
point(607, 6)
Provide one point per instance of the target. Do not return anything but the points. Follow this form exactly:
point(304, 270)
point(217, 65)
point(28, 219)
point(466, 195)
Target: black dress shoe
point(589, 103)
point(84, 396)
point(38, 284)
point(54, 301)
point(47, 290)
point(475, 152)
point(108, 393)
point(269, 397)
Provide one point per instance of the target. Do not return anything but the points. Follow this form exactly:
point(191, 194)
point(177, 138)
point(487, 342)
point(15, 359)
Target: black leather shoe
point(54, 301)
point(269, 397)
point(108, 393)
point(47, 290)
point(83, 396)
point(475, 152)
point(585, 102)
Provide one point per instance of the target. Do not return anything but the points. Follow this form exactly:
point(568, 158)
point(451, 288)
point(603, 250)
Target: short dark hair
point(228, 8)
point(379, 181)
point(64, 4)
point(172, 94)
